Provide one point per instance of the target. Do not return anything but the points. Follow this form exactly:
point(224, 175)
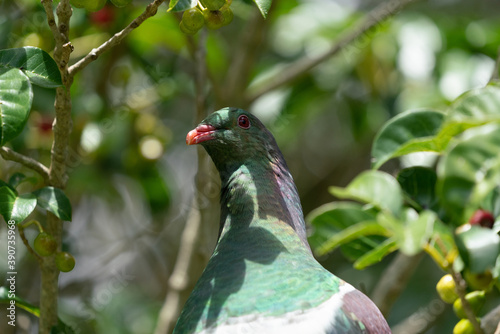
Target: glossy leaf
point(373, 187)
point(330, 219)
point(479, 248)
point(476, 106)
point(408, 132)
point(377, 254)
point(7, 199)
point(54, 200)
point(13, 207)
point(419, 185)
point(469, 171)
point(181, 5)
point(264, 6)
point(37, 64)
point(16, 96)
point(351, 233)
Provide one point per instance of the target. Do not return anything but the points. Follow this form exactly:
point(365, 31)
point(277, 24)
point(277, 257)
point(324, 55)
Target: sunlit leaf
point(377, 254)
point(13, 207)
point(37, 64)
point(479, 248)
point(330, 219)
point(264, 6)
point(408, 132)
point(469, 171)
point(16, 96)
point(373, 187)
point(54, 200)
point(181, 5)
point(351, 233)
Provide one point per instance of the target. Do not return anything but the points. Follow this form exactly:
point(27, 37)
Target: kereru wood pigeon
point(262, 277)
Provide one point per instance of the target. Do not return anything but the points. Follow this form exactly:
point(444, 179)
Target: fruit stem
point(461, 291)
point(36, 222)
point(25, 241)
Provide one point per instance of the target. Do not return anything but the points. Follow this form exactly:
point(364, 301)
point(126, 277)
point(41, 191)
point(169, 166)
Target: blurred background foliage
point(132, 177)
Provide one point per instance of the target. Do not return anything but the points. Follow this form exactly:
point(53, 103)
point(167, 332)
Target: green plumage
point(262, 267)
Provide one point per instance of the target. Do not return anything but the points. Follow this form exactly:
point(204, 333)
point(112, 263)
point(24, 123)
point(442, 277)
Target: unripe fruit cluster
point(216, 14)
point(446, 289)
point(45, 245)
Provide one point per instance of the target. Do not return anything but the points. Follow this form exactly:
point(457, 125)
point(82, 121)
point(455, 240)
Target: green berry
point(481, 281)
point(228, 15)
point(446, 289)
point(45, 244)
point(193, 19)
point(475, 299)
point(214, 19)
point(464, 326)
point(65, 261)
point(213, 4)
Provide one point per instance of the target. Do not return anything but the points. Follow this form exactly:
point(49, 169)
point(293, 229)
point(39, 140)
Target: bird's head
point(233, 135)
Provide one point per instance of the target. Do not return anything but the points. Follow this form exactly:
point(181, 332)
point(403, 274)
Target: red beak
point(203, 132)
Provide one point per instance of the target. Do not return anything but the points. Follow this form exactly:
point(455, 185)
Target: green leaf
point(374, 187)
point(349, 234)
point(13, 207)
point(54, 200)
point(16, 179)
point(181, 5)
point(476, 106)
point(60, 328)
point(16, 96)
point(7, 199)
point(419, 185)
point(37, 64)
point(469, 171)
point(23, 207)
point(479, 248)
point(330, 219)
point(377, 254)
point(412, 232)
point(264, 6)
point(406, 133)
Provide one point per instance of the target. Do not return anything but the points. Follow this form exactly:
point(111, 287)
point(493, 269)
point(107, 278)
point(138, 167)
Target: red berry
point(483, 218)
point(103, 17)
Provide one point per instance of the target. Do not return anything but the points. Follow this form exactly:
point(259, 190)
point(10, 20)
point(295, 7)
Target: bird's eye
point(243, 122)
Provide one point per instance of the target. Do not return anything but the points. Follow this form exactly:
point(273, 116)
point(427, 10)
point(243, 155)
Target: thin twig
point(494, 75)
point(28, 246)
point(9, 154)
point(180, 279)
point(461, 286)
point(491, 321)
point(51, 20)
point(303, 65)
point(150, 10)
point(423, 319)
point(394, 280)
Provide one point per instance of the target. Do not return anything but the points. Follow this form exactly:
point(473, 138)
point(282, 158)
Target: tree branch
point(423, 319)
point(150, 10)
point(394, 280)
point(494, 75)
point(491, 321)
point(303, 65)
point(180, 279)
point(9, 154)
point(51, 20)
